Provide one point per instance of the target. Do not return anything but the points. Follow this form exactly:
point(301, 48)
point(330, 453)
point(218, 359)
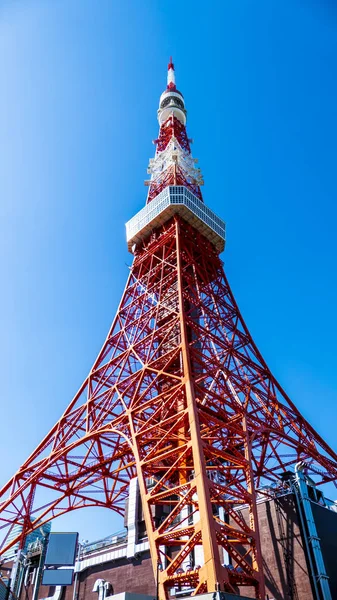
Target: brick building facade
point(121, 563)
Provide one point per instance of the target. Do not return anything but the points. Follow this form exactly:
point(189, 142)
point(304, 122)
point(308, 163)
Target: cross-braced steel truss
point(181, 397)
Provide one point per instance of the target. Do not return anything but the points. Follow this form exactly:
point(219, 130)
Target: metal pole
point(76, 580)
point(76, 573)
point(320, 576)
point(159, 568)
point(8, 590)
point(39, 571)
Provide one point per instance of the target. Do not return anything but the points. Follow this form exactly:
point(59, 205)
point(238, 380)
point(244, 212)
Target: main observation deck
point(176, 199)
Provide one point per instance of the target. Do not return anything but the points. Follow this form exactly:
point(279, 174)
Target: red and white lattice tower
point(178, 396)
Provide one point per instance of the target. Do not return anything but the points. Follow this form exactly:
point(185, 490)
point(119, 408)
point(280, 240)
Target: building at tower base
point(180, 407)
point(119, 566)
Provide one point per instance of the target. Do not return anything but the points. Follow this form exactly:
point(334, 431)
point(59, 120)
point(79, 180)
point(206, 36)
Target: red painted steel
point(173, 175)
point(179, 395)
point(172, 128)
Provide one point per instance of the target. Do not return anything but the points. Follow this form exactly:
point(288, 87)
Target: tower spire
point(173, 163)
point(171, 79)
point(178, 396)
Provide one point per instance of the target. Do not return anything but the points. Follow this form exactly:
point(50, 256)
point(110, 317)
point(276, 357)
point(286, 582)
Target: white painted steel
point(175, 155)
point(176, 200)
point(171, 78)
point(132, 518)
point(109, 556)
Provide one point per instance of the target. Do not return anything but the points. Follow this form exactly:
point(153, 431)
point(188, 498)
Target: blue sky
point(79, 94)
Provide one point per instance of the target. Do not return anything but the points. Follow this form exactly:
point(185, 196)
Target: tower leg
point(257, 562)
point(211, 573)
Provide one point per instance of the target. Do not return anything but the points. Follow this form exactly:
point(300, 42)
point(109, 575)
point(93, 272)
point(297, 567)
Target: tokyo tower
point(178, 402)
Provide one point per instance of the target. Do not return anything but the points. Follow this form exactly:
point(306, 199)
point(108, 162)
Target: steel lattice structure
point(180, 397)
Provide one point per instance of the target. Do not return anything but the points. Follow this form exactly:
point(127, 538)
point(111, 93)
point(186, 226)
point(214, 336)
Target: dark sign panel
point(61, 549)
point(57, 577)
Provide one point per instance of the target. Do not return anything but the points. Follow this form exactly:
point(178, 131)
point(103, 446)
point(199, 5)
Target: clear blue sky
point(80, 82)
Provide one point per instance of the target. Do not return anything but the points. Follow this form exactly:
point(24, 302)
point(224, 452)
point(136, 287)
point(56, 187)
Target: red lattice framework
point(181, 397)
point(172, 127)
point(173, 175)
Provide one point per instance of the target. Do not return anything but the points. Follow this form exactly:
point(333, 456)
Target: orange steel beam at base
point(180, 396)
